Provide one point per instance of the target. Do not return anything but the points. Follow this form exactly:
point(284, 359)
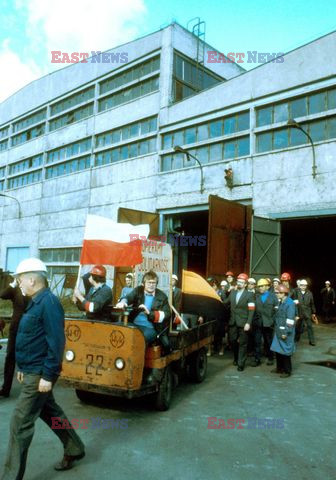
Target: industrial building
point(246, 158)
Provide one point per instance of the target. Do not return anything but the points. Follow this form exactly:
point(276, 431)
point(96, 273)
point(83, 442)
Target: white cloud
point(83, 25)
point(69, 26)
point(16, 73)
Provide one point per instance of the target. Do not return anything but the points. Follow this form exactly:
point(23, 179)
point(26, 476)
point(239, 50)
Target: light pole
point(13, 198)
point(293, 124)
point(179, 149)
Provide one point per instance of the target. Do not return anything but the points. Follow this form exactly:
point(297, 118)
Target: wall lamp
point(13, 198)
point(293, 124)
point(179, 149)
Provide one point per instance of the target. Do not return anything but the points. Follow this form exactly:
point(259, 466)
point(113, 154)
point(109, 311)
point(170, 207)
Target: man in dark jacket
point(306, 312)
point(98, 295)
point(242, 307)
point(39, 352)
point(266, 304)
point(151, 311)
point(328, 300)
point(19, 301)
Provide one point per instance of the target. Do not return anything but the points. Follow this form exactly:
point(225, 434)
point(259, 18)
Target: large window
point(25, 122)
point(71, 150)
point(73, 100)
point(297, 107)
point(190, 78)
point(221, 151)
point(129, 94)
point(26, 164)
point(28, 135)
point(71, 117)
point(212, 129)
point(130, 75)
point(124, 152)
point(132, 130)
point(71, 166)
point(319, 130)
point(22, 180)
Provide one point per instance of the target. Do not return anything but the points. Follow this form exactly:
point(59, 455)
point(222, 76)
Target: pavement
point(138, 442)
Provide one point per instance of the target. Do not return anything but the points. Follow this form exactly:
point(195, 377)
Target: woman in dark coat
point(283, 343)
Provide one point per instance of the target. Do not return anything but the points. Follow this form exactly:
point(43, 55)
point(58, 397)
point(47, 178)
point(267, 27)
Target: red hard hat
point(229, 274)
point(285, 276)
point(98, 270)
point(282, 288)
point(243, 276)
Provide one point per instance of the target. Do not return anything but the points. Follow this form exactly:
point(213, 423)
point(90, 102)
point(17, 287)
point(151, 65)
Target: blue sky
point(30, 29)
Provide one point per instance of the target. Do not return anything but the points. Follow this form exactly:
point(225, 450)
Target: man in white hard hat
point(306, 312)
point(39, 351)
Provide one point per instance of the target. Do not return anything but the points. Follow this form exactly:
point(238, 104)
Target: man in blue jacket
point(39, 351)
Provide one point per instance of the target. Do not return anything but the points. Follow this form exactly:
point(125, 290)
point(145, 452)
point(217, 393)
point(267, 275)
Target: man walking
point(242, 307)
point(306, 312)
point(39, 351)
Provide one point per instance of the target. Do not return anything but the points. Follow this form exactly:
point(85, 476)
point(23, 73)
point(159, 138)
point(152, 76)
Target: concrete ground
point(177, 445)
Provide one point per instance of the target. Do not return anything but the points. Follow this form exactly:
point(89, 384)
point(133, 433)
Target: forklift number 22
point(94, 369)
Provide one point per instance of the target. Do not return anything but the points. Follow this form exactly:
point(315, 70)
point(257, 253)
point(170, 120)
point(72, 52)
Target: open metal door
point(265, 248)
point(228, 237)
point(134, 217)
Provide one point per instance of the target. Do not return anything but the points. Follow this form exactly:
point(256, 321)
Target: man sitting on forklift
point(151, 311)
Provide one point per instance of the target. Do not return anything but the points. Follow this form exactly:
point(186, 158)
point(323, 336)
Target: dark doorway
point(307, 251)
point(189, 257)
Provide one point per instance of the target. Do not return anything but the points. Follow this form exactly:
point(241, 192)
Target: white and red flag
point(110, 243)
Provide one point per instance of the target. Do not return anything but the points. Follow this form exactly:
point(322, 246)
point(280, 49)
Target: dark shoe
point(285, 375)
point(270, 362)
point(235, 362)
point(313, 344)
point(3, 393)
point(240, 369)
point(256, 363)
point(276, 371)
point(67, 462)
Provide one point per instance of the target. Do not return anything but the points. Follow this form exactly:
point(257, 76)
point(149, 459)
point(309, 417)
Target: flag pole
point(179, 317)
point(77, 283)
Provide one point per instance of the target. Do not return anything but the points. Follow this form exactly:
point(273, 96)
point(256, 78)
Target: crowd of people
point(267, 317)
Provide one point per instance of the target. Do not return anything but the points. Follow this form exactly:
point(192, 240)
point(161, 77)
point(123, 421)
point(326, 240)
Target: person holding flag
point(98, 298)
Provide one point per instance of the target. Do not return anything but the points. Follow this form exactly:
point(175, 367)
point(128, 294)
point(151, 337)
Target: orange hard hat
point(98, 270)
point(243, 276)
point(285, 276)
point(229, 274)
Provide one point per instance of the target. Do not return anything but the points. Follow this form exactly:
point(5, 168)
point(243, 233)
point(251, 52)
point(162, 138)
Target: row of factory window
point(215, 128)
point(215, 152)
point(124, 152)
point(121, 134)
point(127, 94)
point(190, 77)
point(319, 130)
point(130, 75)
point(299, 107)
point(60, 255)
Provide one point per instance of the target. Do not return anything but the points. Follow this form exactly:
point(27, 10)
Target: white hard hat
point(251, 280)
point(303, 282)
point(224, 282)
point(175, 277)
point(31, 265)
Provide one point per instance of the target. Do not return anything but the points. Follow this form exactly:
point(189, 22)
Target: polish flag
point(110, 243)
